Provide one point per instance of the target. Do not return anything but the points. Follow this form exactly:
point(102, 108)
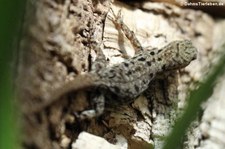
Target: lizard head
point(179, 54)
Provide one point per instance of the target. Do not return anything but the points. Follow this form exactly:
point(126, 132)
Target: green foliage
point(10, 20)
point(195, 100)
point(11, 13)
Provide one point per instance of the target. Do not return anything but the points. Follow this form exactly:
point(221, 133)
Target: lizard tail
point(79, 83)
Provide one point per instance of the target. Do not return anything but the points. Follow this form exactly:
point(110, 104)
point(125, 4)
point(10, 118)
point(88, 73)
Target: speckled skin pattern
point(130, 78)
point(122, 83)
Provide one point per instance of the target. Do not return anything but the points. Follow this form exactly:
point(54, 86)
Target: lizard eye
point(187, 51)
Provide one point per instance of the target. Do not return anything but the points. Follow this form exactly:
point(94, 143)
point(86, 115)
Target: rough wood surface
point(208, 131)
point(57, 46)
point(213, 7)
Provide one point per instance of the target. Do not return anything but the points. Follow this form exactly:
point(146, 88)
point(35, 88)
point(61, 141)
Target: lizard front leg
point(100, 63)
point(120, 25)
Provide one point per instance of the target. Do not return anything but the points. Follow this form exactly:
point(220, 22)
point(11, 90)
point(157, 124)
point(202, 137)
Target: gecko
point(121, 83)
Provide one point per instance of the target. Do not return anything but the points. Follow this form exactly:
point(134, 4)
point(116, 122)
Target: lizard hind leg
point(100, 61)
point(99, 106)
point(120, 25)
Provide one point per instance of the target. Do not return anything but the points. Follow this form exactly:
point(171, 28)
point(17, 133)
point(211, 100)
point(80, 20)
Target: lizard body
point(130, 78)
point(123, 82)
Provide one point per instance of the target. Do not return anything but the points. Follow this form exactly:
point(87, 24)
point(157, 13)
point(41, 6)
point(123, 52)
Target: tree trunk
point(57, 46)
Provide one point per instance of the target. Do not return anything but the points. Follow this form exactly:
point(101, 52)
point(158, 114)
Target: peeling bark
point(58, 45)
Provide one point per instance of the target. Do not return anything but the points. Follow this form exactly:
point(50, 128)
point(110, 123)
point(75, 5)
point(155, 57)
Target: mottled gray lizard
point(122, 83)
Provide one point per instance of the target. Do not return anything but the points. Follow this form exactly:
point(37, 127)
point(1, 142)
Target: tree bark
point(57, 46)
